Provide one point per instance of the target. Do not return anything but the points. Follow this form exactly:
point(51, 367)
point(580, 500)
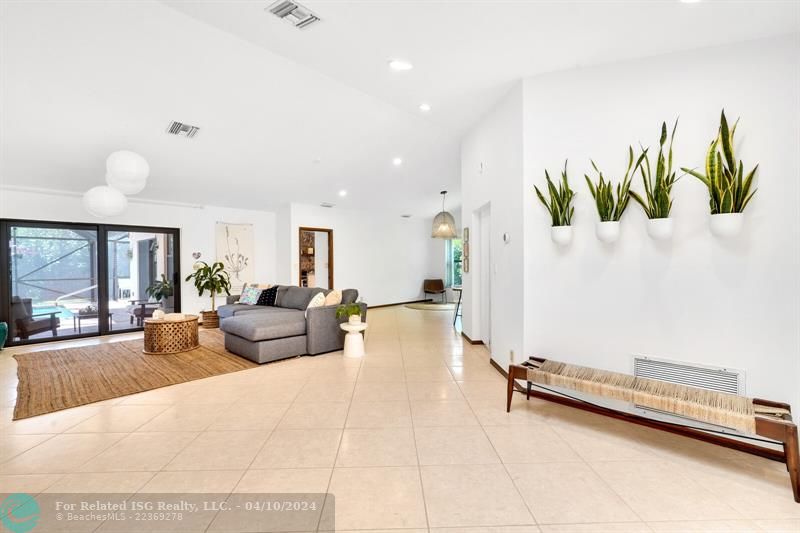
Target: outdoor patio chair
point(26, 324)
point(141, 309)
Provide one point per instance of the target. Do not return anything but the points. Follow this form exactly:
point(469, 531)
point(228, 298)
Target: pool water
point(63, 311)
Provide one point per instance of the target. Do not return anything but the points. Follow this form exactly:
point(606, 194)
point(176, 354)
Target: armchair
point(25, 323)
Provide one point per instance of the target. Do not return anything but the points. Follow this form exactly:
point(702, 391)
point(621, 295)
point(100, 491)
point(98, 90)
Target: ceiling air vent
point(326, 204)
point(298, 15)
point(182, 130)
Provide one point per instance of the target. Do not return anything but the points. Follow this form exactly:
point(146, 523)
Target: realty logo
point(20, 513)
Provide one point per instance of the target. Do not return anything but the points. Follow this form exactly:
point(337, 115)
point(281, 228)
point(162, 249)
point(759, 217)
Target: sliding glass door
point(62, 280)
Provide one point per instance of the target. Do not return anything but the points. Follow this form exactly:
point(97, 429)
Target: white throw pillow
point(334, 297)
point(317, 301)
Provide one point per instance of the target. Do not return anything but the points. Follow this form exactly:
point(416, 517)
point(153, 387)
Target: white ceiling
point(290, 115)
point(467, 54)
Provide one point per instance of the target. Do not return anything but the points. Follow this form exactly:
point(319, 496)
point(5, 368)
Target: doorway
point(62, 280)
point(316, 257)
point(484, 277)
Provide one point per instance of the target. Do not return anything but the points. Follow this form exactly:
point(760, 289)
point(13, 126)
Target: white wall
point(728, 303)
point(698, 298)
point(196, 223)
point(491, 172)
point(384, 256)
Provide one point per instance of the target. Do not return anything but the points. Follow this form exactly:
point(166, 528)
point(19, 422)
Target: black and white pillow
point(268, 296)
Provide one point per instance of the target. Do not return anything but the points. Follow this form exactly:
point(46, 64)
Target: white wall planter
point(659, 229)
point(561, 235)
point(726, 224)
point(608, 231)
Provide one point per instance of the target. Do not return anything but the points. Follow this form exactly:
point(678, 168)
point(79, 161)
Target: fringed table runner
point(722, 409)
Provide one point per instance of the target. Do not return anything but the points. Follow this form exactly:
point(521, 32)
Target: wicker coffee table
point(163, 337)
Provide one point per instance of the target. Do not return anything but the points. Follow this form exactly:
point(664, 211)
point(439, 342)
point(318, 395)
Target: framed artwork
point(465, 252)
point(235, 250)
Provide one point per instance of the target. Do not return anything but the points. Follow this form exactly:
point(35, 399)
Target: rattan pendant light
point(444, 225)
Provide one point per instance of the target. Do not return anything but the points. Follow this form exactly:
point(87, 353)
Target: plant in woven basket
point(211, 278)
point(560, 204)
point(609, 208)
point(728, 185)
point(658, 182)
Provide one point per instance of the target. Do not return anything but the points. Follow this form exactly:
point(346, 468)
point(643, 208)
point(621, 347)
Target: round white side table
point(353, 341)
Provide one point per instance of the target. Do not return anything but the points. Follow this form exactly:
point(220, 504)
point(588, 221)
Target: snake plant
point(609, 208)
point(559, 206)
point(728, 186)
point(657, 201)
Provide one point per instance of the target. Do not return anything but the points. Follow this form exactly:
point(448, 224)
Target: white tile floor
point(413, 437)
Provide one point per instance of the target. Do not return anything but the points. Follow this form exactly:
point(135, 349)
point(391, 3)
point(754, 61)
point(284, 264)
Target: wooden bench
point(748, 416)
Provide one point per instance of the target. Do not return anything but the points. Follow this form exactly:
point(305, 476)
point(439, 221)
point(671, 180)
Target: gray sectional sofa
point(265, 333)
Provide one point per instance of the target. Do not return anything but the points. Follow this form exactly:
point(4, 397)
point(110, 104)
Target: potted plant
point(214, 279)
point(350, 311)
point(610, 209)
point(657, 202)
point(559, 207)
point(728, 186)
point(162, 291)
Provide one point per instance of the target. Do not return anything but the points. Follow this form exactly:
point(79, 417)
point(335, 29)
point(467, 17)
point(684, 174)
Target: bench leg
point(790, 448)
point(514, 372)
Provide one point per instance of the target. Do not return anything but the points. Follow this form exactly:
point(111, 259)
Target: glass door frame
point(102, 271)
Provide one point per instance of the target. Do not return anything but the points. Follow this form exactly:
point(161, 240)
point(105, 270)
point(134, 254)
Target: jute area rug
point(63, 378)
point(432, 307)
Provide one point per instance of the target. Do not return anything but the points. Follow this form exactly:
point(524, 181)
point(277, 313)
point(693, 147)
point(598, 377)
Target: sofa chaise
point(269, 333)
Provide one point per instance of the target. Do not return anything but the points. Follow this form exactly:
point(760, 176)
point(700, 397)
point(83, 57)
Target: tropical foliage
point(609, 208)
point(728, 186)
point(560, 204)
point(211, 278)
point(657, 200)
point(160, 289)
point(348, 310)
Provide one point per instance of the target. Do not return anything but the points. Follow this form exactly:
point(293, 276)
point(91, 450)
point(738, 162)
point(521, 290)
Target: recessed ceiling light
point(689, 1)
point(343, 193)
point(327, 204)
point(397, 161)
point(424, 107)
point(400, 64)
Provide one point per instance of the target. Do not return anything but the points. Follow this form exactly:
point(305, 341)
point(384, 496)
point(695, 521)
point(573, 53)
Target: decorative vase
point(726, 224)
point(607, 231)
point(659, 229)
point(354, 319)
point(3, 334)
point(210, 319)
point(561, 235)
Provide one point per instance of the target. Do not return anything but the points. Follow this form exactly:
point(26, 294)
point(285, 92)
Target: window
point(453, 256)
point(65, 280)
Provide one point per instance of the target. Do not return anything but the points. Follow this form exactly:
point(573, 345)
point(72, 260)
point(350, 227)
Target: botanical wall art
point(559, 206)
point(235, 250)
point(728, 186)
point(609, 208)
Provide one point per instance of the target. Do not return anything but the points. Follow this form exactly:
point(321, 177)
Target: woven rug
point(59, 379)
point(432, 307)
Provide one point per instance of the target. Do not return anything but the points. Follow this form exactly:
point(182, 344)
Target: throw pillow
point(333, 298)
point(250, 295)
point(317, 301)
point(268, 296)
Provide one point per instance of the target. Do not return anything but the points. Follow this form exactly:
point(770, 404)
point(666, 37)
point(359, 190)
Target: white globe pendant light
point(127, 171)
point(444, 225)
point(104, 201)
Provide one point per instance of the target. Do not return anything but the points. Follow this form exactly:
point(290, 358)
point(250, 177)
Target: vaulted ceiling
point(297, 115)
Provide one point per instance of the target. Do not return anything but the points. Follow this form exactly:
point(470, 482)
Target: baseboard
point(471, 341)
point(398, 303)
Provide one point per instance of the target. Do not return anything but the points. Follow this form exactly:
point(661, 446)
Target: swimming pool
point(63, 312)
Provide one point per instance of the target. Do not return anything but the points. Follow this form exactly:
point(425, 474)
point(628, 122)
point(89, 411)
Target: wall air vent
point(326, 204)
point(706, 377)
point(300, 16)
point(182, 130)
